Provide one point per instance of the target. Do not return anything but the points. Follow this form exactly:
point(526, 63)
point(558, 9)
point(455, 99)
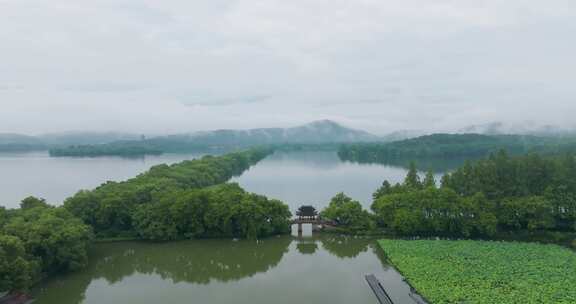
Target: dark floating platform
point(378, 289)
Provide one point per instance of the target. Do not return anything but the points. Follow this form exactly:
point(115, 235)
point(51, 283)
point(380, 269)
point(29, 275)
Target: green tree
point(32, 202)
point(429, 180)
point(532, 213)
point(347, 212)
point(413, 179)
point(54, 236)
point(16, 271)
point(435, 211)
point(385, 189)
point(563, 204)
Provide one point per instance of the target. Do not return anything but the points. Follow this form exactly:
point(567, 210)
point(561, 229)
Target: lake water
point(313, 178)
point(287, 269)
point(322, 269)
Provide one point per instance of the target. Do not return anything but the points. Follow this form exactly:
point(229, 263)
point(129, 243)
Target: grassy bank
point(485, 272)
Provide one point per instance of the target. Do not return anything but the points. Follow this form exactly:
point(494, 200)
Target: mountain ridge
point(322, 131)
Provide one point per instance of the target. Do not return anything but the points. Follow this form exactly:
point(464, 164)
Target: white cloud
point(137, 65)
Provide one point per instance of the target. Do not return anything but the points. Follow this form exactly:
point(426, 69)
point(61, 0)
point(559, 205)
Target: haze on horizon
point(380, 65)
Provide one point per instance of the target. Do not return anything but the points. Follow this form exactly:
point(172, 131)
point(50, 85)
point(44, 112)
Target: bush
point(38, 240)
point(348, 213)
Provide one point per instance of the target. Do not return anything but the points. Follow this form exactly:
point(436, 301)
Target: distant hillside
point(85, 138)
point(452, 146)
point(401, 135)
point(119, 148)
point(325, 133)
point(318, 132)
point(18, 142)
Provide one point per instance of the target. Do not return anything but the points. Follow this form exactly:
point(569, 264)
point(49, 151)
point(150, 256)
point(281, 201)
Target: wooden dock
point(378, 289)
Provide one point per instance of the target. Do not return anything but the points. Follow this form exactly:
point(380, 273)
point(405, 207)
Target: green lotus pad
point(485, 271)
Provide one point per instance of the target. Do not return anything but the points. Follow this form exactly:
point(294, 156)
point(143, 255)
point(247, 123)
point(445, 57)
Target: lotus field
point(485, 272)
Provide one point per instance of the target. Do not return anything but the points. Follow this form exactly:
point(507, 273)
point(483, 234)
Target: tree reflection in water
point(196, 262)
point(341, 246)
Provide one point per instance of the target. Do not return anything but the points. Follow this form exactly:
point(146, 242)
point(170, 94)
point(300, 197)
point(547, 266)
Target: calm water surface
point(313, 178)
point(322, 269)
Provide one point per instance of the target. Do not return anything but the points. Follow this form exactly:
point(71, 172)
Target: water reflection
point(437, 165)
point(202, 263)
point(314, 177)
point(346, 246)
point(308, 247)
point(197, 262)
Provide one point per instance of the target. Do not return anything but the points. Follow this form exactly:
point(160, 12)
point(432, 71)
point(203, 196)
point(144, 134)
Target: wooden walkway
point(378, 289)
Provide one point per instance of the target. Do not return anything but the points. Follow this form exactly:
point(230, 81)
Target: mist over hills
point(20, 142)
point(317, 132)
point(524, 128)
point(323, 131)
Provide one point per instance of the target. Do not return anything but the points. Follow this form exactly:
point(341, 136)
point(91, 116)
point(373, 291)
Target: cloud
point(210, 101)
point(162, 66)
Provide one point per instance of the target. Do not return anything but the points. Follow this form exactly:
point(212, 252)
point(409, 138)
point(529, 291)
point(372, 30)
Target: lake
point(318, 268)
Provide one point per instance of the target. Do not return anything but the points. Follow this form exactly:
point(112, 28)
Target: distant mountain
point(318, 132)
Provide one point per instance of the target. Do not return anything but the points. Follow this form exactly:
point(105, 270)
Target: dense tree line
point(348, 213)
point(450, 146)
point(38, 240)
point(123, 148)
point(499, 193)
point(220, 211)
point(112, 207)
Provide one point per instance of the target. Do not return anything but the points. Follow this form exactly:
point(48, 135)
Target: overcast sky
point(383, 65)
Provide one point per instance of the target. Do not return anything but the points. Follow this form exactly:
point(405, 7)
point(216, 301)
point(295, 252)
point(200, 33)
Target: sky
point(173, 66)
